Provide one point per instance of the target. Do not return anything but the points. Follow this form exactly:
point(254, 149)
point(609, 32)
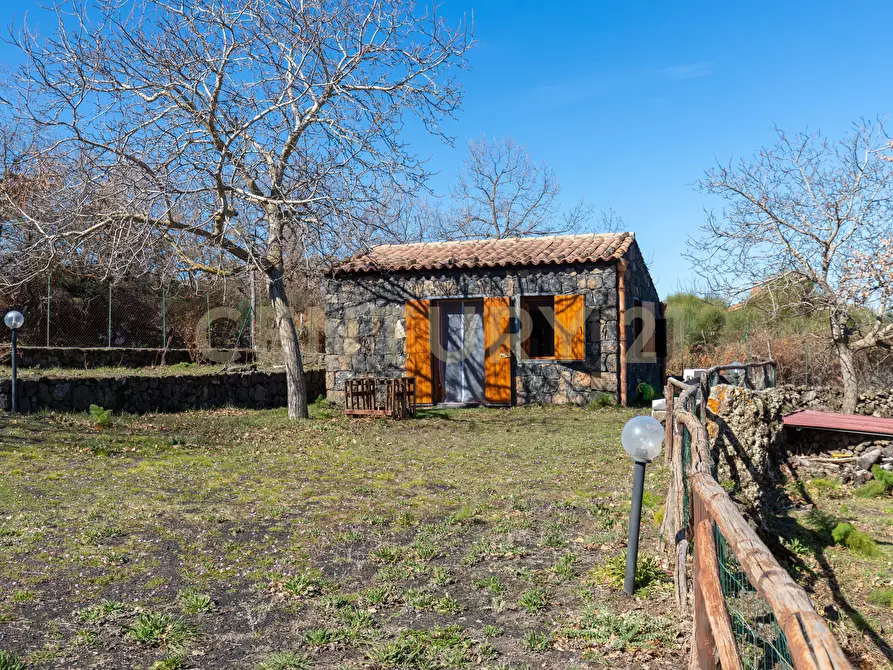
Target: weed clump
point(194, 601)
point(613, 571)
point(880, 486)
point(534, 600)
point(102, 418)
point(9, 661)
point(536, 641)
point(161, 630)
point(627, 631)
point(882, 597)
point(601, 401)
point(847, 535)
point(285, 660)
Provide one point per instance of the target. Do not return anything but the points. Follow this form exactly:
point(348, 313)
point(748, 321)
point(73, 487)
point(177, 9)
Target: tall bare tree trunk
point(840, 334)
point(291, 346)
point(848, 375)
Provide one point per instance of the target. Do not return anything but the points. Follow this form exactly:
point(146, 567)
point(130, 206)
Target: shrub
point(847, 535)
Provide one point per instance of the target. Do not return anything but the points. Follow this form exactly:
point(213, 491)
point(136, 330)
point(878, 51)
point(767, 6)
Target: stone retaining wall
point(141, 394)
point(751, 448)
point(98, 357)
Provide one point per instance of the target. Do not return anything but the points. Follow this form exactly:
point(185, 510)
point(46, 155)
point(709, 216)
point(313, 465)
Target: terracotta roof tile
point(508, 252)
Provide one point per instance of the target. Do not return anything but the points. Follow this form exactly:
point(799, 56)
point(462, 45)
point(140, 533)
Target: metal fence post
point(49, 294)
point(253, 307)
point(805, 363)
point(110, 315)
point(163, 320)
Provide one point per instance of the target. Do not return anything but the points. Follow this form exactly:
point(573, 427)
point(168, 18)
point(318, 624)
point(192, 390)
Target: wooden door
point(498, 351)
point(418, 348)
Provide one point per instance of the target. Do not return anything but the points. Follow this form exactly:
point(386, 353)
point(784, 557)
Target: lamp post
point(14, 321)
point(642, 438)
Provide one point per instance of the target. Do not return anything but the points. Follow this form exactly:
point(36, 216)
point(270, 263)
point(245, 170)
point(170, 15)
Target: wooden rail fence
point(748, 611)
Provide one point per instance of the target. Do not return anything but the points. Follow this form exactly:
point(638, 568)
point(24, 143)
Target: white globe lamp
point(642, 438)
point(14, 320)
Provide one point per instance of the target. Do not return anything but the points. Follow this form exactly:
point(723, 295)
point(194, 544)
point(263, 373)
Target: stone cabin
point(499, 322)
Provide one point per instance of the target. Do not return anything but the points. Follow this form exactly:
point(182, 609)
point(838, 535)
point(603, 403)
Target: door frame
point(439, 332)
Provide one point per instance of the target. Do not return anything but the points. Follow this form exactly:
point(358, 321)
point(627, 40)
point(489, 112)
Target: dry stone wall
point(751, 450)
point(85, 358)
point(141, 394)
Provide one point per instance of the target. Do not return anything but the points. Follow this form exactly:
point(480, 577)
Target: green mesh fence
point(760, 641)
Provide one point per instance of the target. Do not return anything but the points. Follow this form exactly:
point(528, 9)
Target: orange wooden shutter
point(418, 347)
point(570, 340)
point(650, 347)
point(498, 351)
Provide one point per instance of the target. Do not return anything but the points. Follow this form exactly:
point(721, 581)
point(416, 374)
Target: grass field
point(232, 538)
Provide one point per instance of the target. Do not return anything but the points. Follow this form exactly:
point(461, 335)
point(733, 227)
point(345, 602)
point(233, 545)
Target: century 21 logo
point(640, 329)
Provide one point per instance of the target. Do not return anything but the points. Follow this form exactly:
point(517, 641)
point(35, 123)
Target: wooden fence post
point(703, 656)
point(668, 425)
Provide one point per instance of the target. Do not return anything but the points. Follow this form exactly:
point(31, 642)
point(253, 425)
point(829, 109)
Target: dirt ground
point(232, 538)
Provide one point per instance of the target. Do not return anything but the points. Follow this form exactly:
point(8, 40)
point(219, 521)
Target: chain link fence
point(211, 320)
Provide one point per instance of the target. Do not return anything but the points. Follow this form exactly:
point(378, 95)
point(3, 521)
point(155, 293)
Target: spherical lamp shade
point(13, 320)
point(642, 438)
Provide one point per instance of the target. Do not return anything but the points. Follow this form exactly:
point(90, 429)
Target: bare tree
point(814, 217)
point(502, 192)
point(231, 132)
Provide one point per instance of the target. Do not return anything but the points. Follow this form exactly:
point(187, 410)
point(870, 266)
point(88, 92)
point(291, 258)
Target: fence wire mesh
point(65, 310)
point(760, 640)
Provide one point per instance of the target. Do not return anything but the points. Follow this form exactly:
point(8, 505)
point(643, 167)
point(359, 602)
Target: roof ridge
point(498, 240)
point(491, 252)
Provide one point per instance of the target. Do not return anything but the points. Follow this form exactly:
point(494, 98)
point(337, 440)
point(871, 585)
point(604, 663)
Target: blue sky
point(631, 102)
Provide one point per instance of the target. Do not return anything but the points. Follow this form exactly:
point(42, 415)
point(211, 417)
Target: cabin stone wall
point(366, 336)
point(638, 284)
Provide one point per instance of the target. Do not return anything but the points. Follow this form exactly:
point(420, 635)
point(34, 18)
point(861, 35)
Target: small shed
point(555, 319)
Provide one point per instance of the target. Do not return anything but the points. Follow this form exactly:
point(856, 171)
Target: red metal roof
point(547, 250)
point(847, 423)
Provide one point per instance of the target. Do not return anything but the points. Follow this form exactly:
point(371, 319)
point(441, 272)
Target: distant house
point(498, 322)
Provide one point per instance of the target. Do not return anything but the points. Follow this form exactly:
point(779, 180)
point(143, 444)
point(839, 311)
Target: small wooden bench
point(841, 423)
point(383, 397)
